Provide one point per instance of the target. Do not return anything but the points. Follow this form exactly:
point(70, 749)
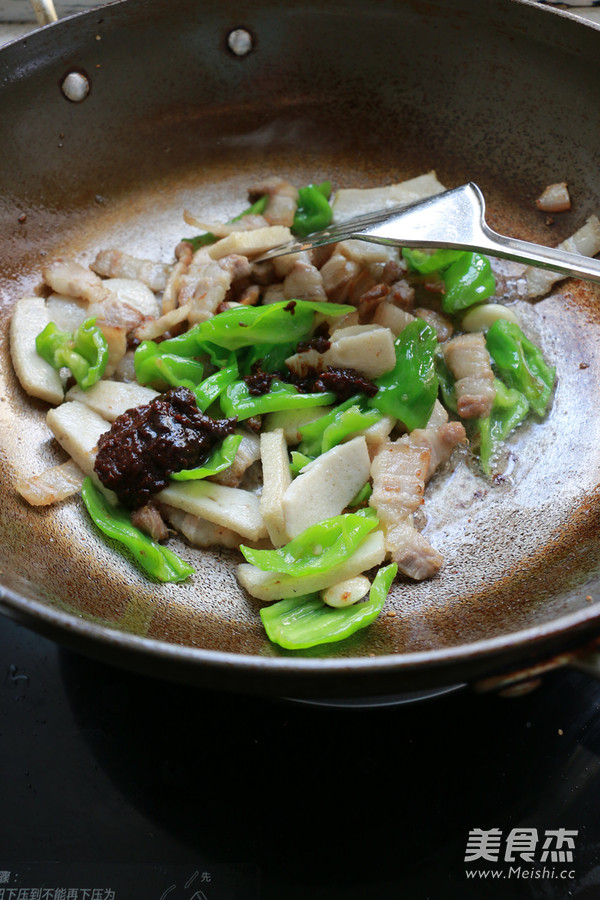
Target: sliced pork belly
point(400, 471)
point(468, 359)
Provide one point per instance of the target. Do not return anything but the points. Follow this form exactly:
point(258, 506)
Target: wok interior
point(362, 97)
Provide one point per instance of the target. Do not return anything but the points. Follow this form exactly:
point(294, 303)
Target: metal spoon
point(455, 219)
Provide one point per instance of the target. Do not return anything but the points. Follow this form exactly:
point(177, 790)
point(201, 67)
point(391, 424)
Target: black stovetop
point(114, 786)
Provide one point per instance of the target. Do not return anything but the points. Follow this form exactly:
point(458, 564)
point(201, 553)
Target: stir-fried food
point(293, 409)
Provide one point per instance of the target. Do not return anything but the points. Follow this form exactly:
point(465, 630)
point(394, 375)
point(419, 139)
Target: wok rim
point(488, 656)
point(446, 664)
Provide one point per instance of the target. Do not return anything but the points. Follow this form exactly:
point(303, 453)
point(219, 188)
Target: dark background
point(112, 781)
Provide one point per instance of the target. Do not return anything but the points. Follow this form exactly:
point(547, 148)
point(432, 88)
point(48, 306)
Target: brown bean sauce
point(344, 383)
point(145, 445)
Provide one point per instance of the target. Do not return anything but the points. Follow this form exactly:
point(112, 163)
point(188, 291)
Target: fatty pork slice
point(203, 286)
point(117, 264)
point(468, 359)
point(68, 277)
point(282, 200)
point(400, 472)
point(304, 282)
point(440, 437)
point(52, 485)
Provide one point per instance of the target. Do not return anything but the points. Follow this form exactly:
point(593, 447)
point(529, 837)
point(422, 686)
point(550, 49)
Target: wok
point(503, 93)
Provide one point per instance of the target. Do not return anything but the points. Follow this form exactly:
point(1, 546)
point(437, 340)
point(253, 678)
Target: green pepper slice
point(84, 352)
point(467, 281)
point(319, 548)
point(300, 622)
point(408, 392)
point(156, 560)
point(314, 212)
point(520, 364)
point(155, 367)
point(220, 458)
point(425, 263)
point(509, 410)
point(237, 400)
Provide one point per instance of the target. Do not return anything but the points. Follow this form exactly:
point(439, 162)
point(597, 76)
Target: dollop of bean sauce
point(344, 383)
point(145, 445)
point(259, 382)
point(321, 344)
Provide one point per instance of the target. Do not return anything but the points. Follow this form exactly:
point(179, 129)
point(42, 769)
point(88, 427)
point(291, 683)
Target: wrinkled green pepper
point(312, 433)
point(509, 410)
point(467, 281)
point(351, 421)
point(314, 211)
point(300, 622)
point(520, 364)
point(408, 392)
point(446, 381)
point(155, 367)
point(318, 549)
point(156, 560)
point(270, 357)
point(298, 461)
point(213, 386)
point(362, 496)
point(84, 352)
point(285, 322)
point(236, 400)
point(220, 458)
point(425, 263)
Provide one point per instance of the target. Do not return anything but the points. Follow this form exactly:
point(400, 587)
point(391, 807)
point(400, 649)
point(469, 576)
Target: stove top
point(115, 786)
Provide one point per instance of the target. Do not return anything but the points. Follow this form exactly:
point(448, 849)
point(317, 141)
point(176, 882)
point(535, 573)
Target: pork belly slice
point(468, 359)
point(400, 471)
point(282, 203)
point(149, 520)
point(351, 202)
point(586, 241)
point(203, 286)
point(117, 264)
point(52, 485)
point(304, 282)
point(66, 276)
point(440, 440)
point(412, 552)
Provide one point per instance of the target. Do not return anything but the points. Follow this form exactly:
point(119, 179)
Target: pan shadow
point(342, 801)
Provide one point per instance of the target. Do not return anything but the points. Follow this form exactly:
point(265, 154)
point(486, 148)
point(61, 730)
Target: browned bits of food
point(344, 383)
point(147, 444)
point(259, 382)
point(321, 344)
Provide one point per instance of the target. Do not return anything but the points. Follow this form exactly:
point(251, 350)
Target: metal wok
point(180, 113)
